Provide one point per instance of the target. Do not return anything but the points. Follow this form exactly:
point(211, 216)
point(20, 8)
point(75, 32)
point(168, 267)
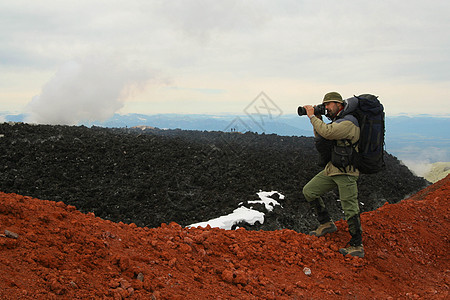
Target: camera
point(318, 110)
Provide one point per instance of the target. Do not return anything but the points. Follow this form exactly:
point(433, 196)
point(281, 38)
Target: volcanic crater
point(102, 213)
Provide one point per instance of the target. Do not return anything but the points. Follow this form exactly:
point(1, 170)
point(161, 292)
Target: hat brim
point(333, 100)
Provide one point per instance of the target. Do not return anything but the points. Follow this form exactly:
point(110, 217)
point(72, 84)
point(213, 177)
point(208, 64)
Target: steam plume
point(91, 89)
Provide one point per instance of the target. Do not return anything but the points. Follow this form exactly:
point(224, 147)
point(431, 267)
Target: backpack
point(369, 112)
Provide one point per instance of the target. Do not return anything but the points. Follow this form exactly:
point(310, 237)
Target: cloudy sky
point(97, 57)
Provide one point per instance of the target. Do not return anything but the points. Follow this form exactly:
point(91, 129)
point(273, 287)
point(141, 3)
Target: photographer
point(338, 138)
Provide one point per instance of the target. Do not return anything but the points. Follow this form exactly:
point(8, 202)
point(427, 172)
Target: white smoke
point(419, 168)
point(89, 89)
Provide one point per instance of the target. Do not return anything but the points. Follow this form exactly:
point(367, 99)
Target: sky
point(64, 61)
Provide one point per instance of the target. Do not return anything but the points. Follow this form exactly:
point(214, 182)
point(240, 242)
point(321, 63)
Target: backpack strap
point(350, 153)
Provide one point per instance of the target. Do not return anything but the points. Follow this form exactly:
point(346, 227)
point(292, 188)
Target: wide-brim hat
point(332, 97)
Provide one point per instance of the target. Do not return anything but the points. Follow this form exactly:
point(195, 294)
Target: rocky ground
point(98, 233)
point(50, 250)
point(149, 177)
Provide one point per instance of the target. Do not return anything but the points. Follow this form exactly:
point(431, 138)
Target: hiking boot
point(355, 229)
point(323, 229)
point(353, 251)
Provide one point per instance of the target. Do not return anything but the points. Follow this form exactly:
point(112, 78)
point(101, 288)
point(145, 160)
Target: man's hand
point(309, 110)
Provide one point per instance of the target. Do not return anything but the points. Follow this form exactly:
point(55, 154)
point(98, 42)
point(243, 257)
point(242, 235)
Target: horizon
point(231, 114)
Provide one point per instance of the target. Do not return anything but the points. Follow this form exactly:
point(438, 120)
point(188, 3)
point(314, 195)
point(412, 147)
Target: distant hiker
point(339, 171)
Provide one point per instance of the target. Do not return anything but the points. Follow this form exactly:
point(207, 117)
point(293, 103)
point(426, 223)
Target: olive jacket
point(341, 129)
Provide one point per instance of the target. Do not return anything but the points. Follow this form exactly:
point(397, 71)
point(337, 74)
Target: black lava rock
point(154, 176)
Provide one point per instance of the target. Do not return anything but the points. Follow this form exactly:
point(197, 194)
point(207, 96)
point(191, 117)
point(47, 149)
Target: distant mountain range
point(417, 139)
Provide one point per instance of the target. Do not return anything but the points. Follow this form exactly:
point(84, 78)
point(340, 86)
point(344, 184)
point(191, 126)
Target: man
point(344, 129)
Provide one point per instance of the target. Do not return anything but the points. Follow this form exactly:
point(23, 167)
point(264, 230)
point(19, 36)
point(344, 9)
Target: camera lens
point(301, 111)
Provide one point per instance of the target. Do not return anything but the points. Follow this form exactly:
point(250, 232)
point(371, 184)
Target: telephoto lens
point(318, 110)
point(301, 111)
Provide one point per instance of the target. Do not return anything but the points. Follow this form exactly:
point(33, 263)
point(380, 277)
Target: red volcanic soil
point(59, 252)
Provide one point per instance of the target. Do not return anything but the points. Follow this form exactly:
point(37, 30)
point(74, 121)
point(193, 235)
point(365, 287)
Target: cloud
point(419, 168)
point(383, 47)
point(200, 19)
point(420, 159)
point(89, 89)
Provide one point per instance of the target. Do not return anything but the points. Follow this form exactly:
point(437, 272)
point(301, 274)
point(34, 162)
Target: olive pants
point(348, 191)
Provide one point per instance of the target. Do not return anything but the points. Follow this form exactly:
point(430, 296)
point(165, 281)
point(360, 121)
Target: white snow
point(268, 202)
point(240, 214)
point(243, 214)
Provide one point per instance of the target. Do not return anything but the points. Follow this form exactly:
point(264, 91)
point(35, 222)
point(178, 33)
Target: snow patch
point(268, 202)
point(240, 214)
point(244, 214)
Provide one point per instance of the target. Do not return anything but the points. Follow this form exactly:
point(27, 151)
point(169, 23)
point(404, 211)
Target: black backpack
point(369, 112)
